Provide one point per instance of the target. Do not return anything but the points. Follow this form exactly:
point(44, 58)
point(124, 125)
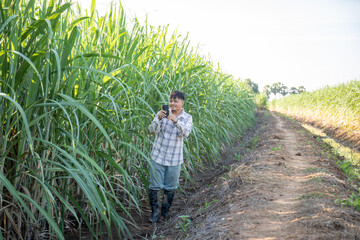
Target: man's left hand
point(172, 117)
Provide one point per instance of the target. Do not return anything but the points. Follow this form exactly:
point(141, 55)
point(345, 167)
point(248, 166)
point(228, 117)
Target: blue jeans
point(164, 177)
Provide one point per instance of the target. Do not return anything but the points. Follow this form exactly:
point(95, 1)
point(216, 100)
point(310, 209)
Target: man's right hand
point(161, 114)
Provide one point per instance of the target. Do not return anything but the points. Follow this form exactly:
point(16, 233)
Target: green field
point(336, 107)
point(77, 93)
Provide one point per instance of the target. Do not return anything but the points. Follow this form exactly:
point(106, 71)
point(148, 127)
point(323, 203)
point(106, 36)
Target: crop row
point(77, 93)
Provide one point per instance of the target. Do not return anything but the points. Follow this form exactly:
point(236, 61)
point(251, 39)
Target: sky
point(310, 43)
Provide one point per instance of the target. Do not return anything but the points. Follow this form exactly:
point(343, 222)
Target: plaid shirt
point(169, 140)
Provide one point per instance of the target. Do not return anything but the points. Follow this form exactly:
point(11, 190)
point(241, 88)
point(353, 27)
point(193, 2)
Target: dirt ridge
point(348, 137)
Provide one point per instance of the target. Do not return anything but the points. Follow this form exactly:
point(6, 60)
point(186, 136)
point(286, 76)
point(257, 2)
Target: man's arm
point(155, 125)
point(184, 127)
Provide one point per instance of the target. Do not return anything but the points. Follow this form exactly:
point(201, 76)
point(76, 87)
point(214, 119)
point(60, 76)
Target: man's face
point(176, 104)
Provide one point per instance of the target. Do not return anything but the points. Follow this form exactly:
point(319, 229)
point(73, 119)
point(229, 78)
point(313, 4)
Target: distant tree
point(301, 89)
point(278, 88)
point(284, 90)
point(293, 90)
point(267, 90)
point(254, 86)
point(275, 88)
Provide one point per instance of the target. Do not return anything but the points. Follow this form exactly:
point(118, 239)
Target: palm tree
point(284, 90)
point(267, 90)
point(301, 89)
point(276, 88)
point(293, 90)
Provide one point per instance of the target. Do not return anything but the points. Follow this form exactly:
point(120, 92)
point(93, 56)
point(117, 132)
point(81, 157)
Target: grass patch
point(314, 170)
point(208, 204)
point(276, 149)
point(352, 201)
point(184, 223)
point(254, 142)
point(311, 196)
point(316, 179)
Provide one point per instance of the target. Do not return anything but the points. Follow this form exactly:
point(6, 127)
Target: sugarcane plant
point(77, 93)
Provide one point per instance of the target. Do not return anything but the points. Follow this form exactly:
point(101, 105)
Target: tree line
point(275, 88)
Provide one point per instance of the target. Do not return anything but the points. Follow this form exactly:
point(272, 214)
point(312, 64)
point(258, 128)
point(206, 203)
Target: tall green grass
point(261, 100)
point(77, 93)
point(333, 107)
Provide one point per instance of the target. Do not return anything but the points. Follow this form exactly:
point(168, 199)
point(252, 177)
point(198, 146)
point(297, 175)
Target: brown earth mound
point(348, 137)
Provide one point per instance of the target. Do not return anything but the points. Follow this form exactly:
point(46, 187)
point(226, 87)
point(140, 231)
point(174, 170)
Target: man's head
point(178, 94)
point(176, 102)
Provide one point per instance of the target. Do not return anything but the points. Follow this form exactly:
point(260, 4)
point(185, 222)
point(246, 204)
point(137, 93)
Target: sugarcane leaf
point(8, 20)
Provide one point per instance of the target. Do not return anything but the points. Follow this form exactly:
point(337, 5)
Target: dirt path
point(274, 214)
point(284, 187)
point(288, 203)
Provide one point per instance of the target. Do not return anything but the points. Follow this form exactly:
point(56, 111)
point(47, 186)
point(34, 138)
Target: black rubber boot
point(167, 201)
point(153, 197)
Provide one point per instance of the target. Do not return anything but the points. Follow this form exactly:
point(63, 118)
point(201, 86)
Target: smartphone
point(166, 109)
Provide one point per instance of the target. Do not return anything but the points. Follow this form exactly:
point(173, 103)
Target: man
point(167, 153)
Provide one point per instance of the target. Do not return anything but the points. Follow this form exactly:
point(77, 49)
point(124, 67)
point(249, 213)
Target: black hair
point(177, 94)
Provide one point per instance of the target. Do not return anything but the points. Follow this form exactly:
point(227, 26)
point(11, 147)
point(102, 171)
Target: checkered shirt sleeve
point(169, 139)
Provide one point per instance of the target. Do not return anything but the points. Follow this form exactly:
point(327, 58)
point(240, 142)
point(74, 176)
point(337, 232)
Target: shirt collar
point(181, 115)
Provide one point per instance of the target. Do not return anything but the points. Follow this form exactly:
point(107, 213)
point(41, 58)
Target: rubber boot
point(153, 197)
point(168, 198)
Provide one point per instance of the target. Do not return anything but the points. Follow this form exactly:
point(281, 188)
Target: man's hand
point(161, 114)
point(172, 117)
